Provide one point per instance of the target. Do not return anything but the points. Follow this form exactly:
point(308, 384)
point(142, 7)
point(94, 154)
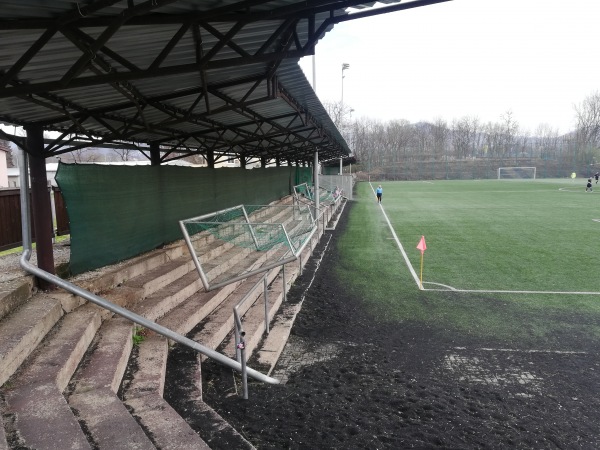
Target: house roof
point(172, 77)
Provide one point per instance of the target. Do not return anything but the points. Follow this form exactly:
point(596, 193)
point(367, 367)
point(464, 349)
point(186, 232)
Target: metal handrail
point(240, 344)
point(123, 312)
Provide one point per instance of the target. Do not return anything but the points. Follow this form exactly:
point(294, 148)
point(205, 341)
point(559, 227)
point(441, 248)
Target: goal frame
point(517, 167)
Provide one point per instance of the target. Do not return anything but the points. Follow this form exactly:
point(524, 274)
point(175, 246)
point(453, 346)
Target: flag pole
point(422, 270)
point(422, 246)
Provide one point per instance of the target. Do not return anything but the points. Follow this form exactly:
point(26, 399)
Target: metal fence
point(477, 168)
point(343, 182)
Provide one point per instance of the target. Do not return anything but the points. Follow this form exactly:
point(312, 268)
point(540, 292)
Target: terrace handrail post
point(284, 283)
point(241, 345)
point(266, 295)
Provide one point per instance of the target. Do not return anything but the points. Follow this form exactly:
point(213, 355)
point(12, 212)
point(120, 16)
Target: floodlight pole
point(345, 66)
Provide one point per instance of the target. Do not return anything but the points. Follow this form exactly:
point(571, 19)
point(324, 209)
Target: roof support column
point(263, 162)
point(154, 154)
point(278, 162)
point(316, 180)
point(242, 162)
point(210, 158)
point(40, 199)
point(340, 165)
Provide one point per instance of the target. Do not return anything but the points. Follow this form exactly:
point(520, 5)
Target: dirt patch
point(352, 381)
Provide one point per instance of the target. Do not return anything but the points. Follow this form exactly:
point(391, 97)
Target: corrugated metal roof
point(211, 77)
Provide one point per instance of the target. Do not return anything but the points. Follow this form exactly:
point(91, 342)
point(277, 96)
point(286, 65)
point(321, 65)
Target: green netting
point(117, 212)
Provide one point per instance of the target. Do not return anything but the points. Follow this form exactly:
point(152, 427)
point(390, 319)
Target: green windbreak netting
point(303, 175)
point(117, 212)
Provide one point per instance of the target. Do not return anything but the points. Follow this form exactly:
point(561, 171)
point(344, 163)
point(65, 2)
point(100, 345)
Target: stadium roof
point(209, 77)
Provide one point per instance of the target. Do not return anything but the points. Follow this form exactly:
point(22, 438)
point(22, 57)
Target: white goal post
point(516, 173)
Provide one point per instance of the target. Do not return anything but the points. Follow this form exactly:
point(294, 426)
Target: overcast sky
point(477, 58)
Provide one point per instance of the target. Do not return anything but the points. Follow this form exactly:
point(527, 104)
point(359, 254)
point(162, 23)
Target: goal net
point(255, 237)
point(516, 173)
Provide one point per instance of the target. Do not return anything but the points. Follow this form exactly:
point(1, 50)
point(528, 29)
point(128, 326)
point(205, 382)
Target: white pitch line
point(453, 289)
point(513, 350)
point(404, 255)
point(498, 291)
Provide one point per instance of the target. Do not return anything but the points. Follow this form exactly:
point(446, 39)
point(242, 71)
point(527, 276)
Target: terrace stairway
point(73, 378)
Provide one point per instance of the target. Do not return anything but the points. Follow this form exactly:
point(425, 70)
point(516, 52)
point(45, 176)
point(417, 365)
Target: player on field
point(379, 193)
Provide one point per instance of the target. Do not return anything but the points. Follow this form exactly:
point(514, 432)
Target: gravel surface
point(11, 270)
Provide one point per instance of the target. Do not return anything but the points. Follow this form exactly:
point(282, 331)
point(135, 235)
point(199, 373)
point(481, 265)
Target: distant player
point(588, 187)
point(596, 176)
point(379, 193)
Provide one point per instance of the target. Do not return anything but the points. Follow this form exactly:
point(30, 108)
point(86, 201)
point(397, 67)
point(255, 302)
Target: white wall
point(3, 170)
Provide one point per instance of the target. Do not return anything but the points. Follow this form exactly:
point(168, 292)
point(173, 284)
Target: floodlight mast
point(345, 66)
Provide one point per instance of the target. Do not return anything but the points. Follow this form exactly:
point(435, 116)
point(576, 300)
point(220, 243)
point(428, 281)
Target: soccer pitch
point(499, 235)
point(531, 244)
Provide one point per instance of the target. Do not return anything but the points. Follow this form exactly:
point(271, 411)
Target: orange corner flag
point(422, 246)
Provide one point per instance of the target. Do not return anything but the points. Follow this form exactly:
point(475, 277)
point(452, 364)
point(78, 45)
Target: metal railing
point(240, 343)
point(97, 300)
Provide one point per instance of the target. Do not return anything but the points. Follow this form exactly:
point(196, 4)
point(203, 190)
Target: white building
point(4, 155)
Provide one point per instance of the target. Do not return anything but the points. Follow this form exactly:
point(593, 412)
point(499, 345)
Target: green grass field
point(483, 236)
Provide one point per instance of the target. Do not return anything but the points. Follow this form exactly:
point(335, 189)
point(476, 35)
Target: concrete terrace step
point(107, 278)
point(186, 398)
point(144, 396)
point(34, 396)
point(159, 277)
point(14, 293)
point(22, 331)
point(94, 397)
point(164, 300)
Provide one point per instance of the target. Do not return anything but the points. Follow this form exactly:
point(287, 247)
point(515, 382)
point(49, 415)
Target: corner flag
point(422, 246)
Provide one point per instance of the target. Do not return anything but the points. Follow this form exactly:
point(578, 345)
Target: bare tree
point(423, 139)
point(510, 130)
point(547, 141)
point(494, 139)
point(468, 137)
point(125, 154)
point(400, 135)
point(588, 121)
point(81, 155)
point(440, 135)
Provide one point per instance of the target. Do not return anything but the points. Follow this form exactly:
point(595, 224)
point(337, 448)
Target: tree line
point(376, 144)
